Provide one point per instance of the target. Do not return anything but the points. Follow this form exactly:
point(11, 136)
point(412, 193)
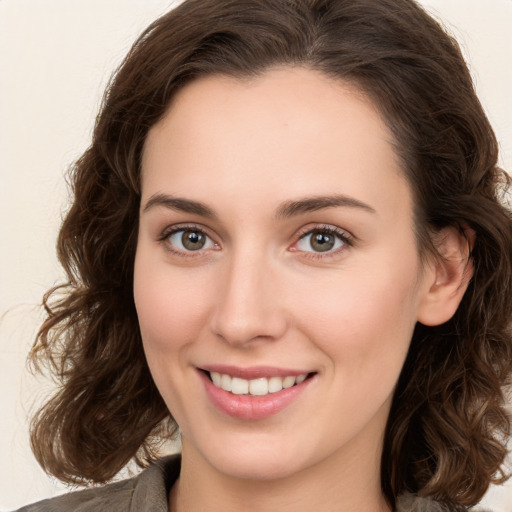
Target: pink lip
point(247, 407)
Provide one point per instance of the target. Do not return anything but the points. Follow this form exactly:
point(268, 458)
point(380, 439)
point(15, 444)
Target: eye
point(323, 240)
point(182, 240)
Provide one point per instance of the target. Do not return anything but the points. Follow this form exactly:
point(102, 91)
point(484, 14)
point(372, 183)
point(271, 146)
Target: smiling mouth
point(255, 387)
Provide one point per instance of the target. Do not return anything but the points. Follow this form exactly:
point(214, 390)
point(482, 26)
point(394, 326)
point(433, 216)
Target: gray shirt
point(149, 492)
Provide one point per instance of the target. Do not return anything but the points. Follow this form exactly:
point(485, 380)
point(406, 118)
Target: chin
point(257, 459)
point(257, 468)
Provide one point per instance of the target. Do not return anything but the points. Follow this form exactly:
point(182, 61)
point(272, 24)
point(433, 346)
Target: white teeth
point(300, 378)
point(239, 386)
point(225, 382)
point(216, 378)
point(275, 384)
point(258, 387)
point(288, 382)
point(255, 387)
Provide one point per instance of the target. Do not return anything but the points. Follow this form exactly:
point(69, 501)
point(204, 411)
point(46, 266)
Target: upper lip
point(253, 372)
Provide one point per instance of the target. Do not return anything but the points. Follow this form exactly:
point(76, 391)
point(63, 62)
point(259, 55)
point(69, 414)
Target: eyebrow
point(179, 204)
point(287, 209)
point(314, 203)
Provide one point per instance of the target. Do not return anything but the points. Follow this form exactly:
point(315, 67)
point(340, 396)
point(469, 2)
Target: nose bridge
point(249, 305)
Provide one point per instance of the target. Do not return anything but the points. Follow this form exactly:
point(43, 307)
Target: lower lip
point(248, 407)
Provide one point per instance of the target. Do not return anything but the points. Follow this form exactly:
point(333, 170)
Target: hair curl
point(447, 431)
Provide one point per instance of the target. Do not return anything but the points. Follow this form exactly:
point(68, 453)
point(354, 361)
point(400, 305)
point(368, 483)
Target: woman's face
point(276, 248)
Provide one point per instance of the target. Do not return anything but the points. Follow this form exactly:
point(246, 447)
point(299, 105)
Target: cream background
point(55, 59)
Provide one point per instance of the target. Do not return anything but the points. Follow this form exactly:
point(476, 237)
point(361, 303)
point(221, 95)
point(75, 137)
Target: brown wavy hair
point(448, 427)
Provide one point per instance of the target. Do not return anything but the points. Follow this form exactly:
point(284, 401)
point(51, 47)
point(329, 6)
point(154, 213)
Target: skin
point(258, 293)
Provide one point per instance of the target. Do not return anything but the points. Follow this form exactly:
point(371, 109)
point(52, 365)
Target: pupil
point(322, 242)
point(193, 240)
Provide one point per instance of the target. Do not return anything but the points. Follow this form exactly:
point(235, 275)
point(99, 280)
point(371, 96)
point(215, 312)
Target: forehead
point(290, 129)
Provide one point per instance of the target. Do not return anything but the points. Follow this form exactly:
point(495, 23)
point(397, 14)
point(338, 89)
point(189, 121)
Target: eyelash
point(343, 236)
point(164, 239)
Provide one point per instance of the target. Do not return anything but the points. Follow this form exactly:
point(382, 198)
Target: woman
point(287, 241)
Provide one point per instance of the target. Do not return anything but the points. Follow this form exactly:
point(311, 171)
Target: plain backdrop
point(56, 57)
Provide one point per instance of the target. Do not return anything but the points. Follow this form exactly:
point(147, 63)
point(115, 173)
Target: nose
point(250, 305)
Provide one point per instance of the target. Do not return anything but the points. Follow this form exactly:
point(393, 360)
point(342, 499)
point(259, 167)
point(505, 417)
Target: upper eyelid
point(346, 238)
point(326, 227)
point(175, 228)
point(308, 228)
point(167, 232)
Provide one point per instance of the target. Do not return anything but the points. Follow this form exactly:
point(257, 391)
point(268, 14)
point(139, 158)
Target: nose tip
point(249, 308)
point(242, 332)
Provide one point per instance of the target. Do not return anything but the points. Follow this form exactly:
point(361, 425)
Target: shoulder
point(113, 497)
point(147, 491)
point(410, 503)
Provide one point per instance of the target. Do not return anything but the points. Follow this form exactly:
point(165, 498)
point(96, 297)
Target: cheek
point(171, 310)
point(170, 305)
point(363, 317)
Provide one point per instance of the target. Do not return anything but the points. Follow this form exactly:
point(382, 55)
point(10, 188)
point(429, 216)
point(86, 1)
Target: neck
point(344, 481)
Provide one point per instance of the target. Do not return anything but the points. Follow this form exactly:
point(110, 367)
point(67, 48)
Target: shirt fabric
point(149, 492)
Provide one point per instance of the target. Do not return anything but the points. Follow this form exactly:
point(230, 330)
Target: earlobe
point(447, 276)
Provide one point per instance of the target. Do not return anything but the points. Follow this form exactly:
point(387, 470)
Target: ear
point(447, 275)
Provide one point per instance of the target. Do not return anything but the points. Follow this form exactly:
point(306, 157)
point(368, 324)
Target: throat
point(202, 487)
